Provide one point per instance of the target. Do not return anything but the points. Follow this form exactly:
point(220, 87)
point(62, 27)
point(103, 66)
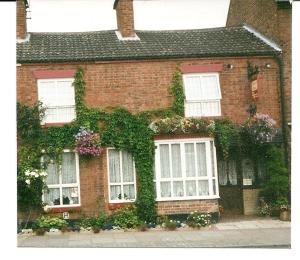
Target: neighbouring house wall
point(144, 85)
point(21, 20)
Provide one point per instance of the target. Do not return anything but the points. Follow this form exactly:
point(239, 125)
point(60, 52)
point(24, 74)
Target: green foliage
point(178, 93)
point(276, 186)
point(29, 121)
point(125, 218)
point(98, 221)
point(47, 223)
point(198, 219)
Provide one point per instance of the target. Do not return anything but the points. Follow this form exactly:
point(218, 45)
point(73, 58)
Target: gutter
point(280, 63)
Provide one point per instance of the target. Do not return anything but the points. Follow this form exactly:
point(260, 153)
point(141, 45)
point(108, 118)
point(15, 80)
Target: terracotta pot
point(284, 215)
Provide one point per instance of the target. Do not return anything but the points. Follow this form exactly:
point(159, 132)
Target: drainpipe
point(280, 63)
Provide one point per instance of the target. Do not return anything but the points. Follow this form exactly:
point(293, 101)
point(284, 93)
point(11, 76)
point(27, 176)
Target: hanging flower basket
point(88, 142)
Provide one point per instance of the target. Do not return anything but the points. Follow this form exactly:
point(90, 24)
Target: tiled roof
point(105, 45)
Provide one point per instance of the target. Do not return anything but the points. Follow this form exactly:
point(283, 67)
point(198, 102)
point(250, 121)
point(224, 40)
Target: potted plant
point(284, 209)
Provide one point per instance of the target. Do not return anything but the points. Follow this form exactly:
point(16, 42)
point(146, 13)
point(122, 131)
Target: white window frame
point(55, 80)
point(66, 185)
point(184, 178)
point(201, 101)
point(120, 183)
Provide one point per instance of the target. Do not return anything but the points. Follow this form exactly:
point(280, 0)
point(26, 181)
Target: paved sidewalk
point(256, 233)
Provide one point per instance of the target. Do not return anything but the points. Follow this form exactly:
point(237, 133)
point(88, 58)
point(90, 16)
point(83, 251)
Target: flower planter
point(285, 215)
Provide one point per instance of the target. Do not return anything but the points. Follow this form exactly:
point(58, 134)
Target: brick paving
point(249, 233)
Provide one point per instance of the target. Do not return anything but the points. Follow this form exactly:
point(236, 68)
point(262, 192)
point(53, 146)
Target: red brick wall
point(21, 20)
point(144, 85)
point(187, 206)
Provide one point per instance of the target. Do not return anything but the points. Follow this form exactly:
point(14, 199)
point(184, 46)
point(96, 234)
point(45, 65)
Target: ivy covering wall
point(120, 129)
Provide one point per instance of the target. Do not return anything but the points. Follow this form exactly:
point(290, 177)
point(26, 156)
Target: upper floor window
point(57, 95)
point(121, 179)
point(202, 94)
point(63, 181)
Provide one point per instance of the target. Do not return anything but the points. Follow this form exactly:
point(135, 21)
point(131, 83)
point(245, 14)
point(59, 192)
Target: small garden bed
point(122, 220)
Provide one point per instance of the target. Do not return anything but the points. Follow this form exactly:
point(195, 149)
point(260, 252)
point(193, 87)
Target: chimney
point(125, 17)
point(22, 5)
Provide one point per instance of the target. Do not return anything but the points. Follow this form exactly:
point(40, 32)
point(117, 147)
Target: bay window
point(121, 176)
point(202, 94)
point(62, 181)
point(186, 169)
point(58, 96)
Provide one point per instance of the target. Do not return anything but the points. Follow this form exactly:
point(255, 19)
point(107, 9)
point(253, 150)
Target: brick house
point(134, 69)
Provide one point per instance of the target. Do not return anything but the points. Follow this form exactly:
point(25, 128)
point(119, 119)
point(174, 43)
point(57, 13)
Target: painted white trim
point(120, 183)
point(60, 186)
point(263, 38)
point(183, 177)
point(132, 38)
point(27, 38)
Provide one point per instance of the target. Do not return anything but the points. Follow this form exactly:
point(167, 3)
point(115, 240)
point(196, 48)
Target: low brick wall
point(186, 206)
point(250, 197)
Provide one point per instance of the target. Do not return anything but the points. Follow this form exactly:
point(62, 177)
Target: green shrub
point(198, 219)
point(47, 223)
point(98, 221)
point(125, 218)
point(276, 185)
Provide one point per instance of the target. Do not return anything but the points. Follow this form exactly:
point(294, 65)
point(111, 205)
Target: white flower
point(36, 175)
point(27, 173)
point(27, 181)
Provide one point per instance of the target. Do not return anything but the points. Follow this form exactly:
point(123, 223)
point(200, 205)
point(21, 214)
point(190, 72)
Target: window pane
point(47, 93)
point(190, 160)
point(114, 166)
point(65, 93)
point(164, 161)
point(53, 174)
point(127, 167)
point(192, 109)
point(52, 197)
point(248, 169)
point(201, 159)
point(209, 87)
point(70, 196)
point(192, 88)
point(165, 189)
point(68, 169)
point(212, 154)
point(176, 160)
point(203, 187)
point(191, 188)
point(178, 189)
point(210, 108)
point(232, 173)
point(115, 192)
point(214, 187)
point(129, 192)
point(222, 172)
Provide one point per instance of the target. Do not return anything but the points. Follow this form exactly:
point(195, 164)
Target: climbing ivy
point(117, 128)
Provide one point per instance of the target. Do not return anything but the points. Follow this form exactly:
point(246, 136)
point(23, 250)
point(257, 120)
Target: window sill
point(188, 198)
point(61, 209)
point(46, 125)
point(117, 205)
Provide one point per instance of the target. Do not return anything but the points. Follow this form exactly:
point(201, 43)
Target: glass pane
point(203, 187)
point(248, 169)
point(190, 160)
point(191, 188)
point(68, 169)
point(178, 189)
point(201, 159)
point(53, 174)
point(115, 192)
point(212, 155)
point(222, 172)
point(214, 187)
point(165, 189)
point(52, 197)
point(127, 167)
point(192, 88)
point(211, 108)
point(164, 160)
point(129, 192)
point(232, 173)
point(70, 196)
point(209, 87)
point(114, 166)
point(176, 160)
